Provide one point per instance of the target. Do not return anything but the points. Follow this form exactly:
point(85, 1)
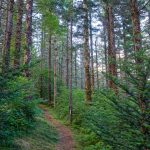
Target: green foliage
point(113, 121)
point(41, 82)
point(82, 123)
point(124, 122)
point(43, 137)
point(17, 106)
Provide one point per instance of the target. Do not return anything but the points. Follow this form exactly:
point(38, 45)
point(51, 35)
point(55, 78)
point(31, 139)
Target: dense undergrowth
point(115, 120)
point(43, 137)
point(105, 125)
point(20, 125)
point(85, 138)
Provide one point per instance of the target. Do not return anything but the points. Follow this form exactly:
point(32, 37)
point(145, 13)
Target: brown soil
point(65, 136)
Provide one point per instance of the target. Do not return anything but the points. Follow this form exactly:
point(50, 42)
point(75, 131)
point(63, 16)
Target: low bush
point(17, 107)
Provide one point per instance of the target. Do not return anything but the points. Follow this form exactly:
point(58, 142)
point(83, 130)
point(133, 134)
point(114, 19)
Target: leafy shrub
point(82, 121)
point(17, 107)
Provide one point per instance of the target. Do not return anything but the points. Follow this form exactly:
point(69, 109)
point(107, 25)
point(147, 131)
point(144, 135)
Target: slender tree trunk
point(62, 60)
point(105, 50)
point(97, 72)
point(88, 91)
point(29, 7)
point(17, 53)
point(67, 58)
point(76, 82)
point(55, 76)
point(1, 4)
point(82, 68)
point(41, 65)
point(49, 71)
point(8, 35)
point(111, 49)
point(149, 23)
point(136, 25)
point(70, 88)
point(135, 16)
point(91, 48)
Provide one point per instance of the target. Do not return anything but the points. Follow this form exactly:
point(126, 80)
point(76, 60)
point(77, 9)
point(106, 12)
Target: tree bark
point(135, 17)
point(136, 25)
point(88, 91)
point(75, 71)
point(41, 64)
point(97, 72)
point(91, 48)
point(149, 24)
point(62, 61)
point(17, 53)
point(70, 88)
point(111, 48)
point(67, 57)
point(1, 4)
point(29, 10)
point(55, 76)
point(8, 35)
point(82, 69)
point(49, 71)
point(105, 50)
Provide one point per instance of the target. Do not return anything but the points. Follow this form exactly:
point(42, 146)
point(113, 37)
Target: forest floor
point(65, 141)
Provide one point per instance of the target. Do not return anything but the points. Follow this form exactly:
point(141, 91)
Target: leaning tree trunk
point(88, 91)
point(29, 7)
point(135, 16)
point(17, 53)
point(111, 49)
point(8, 35)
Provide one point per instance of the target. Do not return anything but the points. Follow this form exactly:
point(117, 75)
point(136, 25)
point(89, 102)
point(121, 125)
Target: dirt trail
point(65, 135)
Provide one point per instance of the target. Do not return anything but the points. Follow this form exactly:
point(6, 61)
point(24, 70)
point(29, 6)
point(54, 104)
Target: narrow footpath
point(65, 136)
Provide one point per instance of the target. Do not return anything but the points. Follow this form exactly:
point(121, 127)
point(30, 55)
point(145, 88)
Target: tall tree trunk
point(75, 71)
point(70, 88)
point(41, 64)
point(91, 48)
point(55, 75)
point(29, 10)
point(149, 24)
point(136, 25)
point(67, 57)
point(97, 72)
point(105, 50)
point(8, 35)
point(111, 48)
point(135, 16)
point(17, 53)
point(88, 91)
point(82, 69)
point(1, 4)
point(62, 60)
point(49, 71)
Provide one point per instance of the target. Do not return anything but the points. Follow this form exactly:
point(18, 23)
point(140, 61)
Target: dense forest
point(75, 74)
